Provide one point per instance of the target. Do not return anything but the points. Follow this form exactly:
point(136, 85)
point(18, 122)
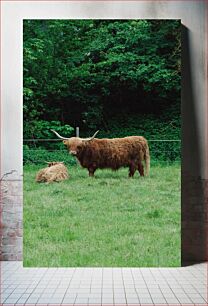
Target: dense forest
point(119, 76)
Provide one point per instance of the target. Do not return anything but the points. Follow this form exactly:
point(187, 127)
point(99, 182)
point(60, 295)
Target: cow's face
point(74, 145)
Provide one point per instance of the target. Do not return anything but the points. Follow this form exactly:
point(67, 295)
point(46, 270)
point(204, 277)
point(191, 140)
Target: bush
point(164, 127)
point(41, 129)
point(41, 156)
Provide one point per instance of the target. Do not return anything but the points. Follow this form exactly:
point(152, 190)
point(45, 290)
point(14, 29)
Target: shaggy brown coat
point(55, 172)
point(111, 153)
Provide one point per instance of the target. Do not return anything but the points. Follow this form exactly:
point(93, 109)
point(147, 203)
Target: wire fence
point(38, 151)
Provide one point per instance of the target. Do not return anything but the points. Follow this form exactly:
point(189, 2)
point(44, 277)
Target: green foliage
point(164, 127)
point(41, 156)
point(41, 129)
point(80, 72)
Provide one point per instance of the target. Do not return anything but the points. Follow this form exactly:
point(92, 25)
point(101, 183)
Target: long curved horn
point(53, 162)
point(90, 138)
point(59, 136)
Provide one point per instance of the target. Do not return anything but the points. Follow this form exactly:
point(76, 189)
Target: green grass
point(109, 220)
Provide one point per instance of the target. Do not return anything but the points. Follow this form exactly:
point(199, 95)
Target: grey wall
point(194, 107)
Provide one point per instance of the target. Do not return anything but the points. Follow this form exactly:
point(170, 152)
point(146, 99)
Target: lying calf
point(55, 172)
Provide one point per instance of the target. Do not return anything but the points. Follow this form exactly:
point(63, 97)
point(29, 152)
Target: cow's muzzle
point(74, 153)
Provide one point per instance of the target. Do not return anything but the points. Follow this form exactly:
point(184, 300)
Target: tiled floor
point(103, 286)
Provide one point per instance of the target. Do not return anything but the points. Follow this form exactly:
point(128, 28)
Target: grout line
point(120, 274)
point(74, 271)
point(135, 285)
point(147, 287)
point(123, 284)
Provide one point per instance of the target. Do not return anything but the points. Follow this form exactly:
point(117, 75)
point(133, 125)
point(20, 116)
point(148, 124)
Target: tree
point(82, 72)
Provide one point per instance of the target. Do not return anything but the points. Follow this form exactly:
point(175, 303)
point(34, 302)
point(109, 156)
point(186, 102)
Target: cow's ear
point(65, 142)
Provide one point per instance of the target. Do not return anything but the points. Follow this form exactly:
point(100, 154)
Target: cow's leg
point(132, 170)
point(91, 171)
point(140, 168)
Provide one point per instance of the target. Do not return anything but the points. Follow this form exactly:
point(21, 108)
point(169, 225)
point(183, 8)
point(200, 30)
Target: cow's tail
point(147, 160)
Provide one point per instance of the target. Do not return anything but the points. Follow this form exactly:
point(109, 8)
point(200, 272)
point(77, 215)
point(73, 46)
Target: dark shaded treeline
point(101, 74)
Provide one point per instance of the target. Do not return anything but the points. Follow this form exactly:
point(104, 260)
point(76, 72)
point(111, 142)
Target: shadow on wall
point(193, 222)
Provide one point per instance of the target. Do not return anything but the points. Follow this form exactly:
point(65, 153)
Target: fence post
point(77, 131)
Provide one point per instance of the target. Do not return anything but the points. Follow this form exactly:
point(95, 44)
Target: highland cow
point(55, 172)
point(93, 153)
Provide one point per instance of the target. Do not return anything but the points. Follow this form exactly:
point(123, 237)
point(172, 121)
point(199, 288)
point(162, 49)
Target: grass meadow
point(110, 220)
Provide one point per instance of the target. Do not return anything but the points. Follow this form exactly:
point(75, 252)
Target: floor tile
point(186, 285)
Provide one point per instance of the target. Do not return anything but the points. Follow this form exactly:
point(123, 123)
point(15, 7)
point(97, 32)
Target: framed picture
point(123, 78)
point(83, 68)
